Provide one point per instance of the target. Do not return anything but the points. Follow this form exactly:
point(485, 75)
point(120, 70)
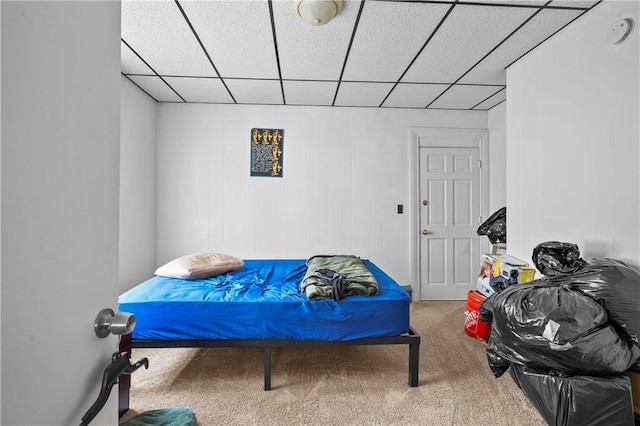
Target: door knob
point(425, 232)
point(425, 202)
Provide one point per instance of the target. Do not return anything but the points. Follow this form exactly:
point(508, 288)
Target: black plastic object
point(577, 400)
point(557, 258)
point(495, 228)
point(550, 326)
point(486, 310)
point(616, 286)
point(120, 365)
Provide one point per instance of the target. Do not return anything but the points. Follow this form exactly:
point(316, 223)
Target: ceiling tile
point(574, 3)
point(407, 95)
point(309, 92)
point(155, 87)
point(130, 62)
point(463, 97)
point(492, 69)
point(362, 94)
point(202, 89)
point(255, 91)
point(305, 64)
point(383, 27)
point(309, 52)
point(237, 36)
point(492, 101)
point(157, 31)
point(537, 3)
point(469, 33)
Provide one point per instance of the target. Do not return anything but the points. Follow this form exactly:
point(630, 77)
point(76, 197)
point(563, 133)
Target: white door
point(60, 178)
point(449, 188)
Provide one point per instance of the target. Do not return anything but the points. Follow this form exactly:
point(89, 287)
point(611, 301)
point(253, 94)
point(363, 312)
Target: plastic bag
point(495, 228)
point(577, 400)
point(616, 286)
point(183, 416)
point(486, 310)
point(550, 326)
point(557, 258)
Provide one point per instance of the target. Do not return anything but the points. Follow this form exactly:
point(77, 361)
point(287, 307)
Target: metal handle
point(108, 322)
point(425, 232)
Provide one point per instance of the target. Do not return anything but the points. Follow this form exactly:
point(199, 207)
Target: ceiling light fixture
point(317, 12)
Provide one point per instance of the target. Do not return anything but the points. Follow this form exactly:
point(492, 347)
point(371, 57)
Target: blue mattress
point(262, 301)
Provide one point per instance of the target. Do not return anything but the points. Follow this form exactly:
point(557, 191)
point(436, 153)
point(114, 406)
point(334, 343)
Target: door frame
point(438, 137)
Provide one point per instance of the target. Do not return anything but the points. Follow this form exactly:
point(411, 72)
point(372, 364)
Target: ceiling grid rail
point(489, 53)
point(205, 50)
point(346, 58)
point(584, 10)
point(433, 33)
point(275, 46)
point(489, 97)
point(424, 52)
point(152, 69)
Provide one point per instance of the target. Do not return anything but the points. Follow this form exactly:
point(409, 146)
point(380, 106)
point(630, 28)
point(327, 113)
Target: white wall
point(573, 136)
point(345, 172)
point(138, 199)
point(60, 154)
point(497, 125)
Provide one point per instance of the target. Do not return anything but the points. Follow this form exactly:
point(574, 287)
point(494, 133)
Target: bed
point(262, 305)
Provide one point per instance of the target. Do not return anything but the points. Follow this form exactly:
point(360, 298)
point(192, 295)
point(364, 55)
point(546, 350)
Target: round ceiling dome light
point(318, 12)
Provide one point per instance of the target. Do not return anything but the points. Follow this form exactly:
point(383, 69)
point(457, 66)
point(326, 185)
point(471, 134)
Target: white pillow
point(199, 265)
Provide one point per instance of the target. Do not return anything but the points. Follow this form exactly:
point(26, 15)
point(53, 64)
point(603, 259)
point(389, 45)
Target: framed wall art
point(266, 152)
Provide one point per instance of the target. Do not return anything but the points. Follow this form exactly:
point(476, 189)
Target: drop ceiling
point(375, 53)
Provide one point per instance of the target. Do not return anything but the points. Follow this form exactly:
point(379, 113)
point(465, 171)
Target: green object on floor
point(179, 416)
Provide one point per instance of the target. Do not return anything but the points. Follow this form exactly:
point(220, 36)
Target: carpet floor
point(339, 385)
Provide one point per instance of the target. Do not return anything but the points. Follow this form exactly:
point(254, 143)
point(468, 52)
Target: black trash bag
point(550, 326)
point(486, 310)
point(557, 258)
point(577, 400)
point(495, 228)
point(616, 286)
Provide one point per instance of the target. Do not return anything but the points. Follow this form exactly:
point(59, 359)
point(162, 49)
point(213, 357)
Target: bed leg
point(124, 381)
point(414, 359)
point(267, 368)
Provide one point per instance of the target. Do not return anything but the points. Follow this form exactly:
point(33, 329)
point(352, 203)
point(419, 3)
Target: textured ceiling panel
point(541, 26)
point(157, 31)
point(383, 27)
point(494, 100)
point(362, 94)
point(156, 88)
point(464, 97)
point(414, 95)
point(309, 52)
point(466, 36)
point(537, 3)
point(309, 92)
point(130, 62)
point(255, 91)
point(200, 89)
point(574, 3)
point(428, 44)
point(241, 48)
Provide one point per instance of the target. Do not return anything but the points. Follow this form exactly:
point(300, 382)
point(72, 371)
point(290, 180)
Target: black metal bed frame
point(410, 338)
